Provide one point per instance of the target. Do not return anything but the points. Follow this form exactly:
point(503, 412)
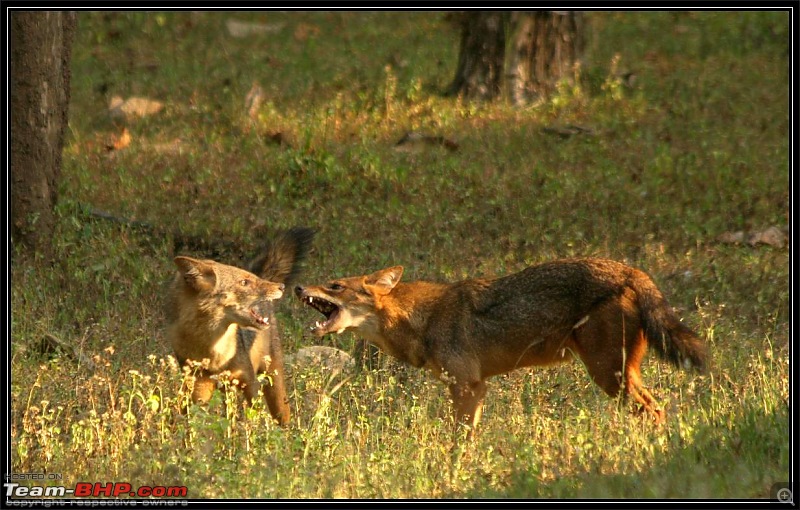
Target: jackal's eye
point(245, 282)
point(335, 286)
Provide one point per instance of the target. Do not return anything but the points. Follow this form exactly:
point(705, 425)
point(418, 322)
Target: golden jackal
point(224, 314)
point(602, 311)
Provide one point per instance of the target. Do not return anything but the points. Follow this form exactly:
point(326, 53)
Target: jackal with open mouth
point(601, 311)
point(222, 316)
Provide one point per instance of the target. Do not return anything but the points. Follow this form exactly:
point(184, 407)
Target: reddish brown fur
point(602, 311)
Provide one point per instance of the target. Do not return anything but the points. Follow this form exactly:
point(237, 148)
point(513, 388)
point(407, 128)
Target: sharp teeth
point(310, 299)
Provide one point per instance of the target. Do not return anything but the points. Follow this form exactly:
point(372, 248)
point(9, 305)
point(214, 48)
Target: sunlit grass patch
point(695, 147)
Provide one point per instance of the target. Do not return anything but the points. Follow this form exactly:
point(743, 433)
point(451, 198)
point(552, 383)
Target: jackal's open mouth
point(326, 308)
point(261, 320)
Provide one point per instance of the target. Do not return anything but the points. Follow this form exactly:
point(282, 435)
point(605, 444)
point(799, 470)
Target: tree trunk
point(545, 48)
point(41, 43)
point(481, 55)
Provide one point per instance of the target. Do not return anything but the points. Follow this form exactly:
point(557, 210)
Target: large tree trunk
point(481, 55)
point(41, 43)
point(545, 48)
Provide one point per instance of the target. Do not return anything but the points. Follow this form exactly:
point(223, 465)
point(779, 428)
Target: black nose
point(298, 290)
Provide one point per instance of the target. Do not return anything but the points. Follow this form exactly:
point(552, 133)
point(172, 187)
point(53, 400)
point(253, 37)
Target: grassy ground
point(695, 147)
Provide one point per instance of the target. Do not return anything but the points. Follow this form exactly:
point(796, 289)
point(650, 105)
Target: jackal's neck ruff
point(401, 321)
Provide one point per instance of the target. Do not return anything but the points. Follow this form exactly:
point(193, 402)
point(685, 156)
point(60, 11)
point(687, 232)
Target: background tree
point(545, 45)
point(41, 44)
point(480, 58)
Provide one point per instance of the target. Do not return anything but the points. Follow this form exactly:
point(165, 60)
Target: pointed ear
point(197, 274)
point(385, 279)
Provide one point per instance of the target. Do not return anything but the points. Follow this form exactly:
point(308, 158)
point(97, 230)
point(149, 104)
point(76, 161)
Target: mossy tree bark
point(544, 48)
point(480, 59)
point(41, 43)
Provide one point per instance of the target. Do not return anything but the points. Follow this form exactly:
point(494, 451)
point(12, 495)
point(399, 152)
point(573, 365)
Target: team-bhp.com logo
point(94, 490)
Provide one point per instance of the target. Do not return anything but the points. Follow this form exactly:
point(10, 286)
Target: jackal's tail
point(669, 337)
point(280, 259)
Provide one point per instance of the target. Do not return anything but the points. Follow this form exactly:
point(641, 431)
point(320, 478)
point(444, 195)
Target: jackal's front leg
point(468, 404)
point(276, 398)
point(275, 386)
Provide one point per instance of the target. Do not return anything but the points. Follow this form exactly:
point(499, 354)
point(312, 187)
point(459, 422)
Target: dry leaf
point(176, 146)
point(303, 31)
point(772, 236)
point(120, 142)
point(731, 237)
point(253, 100)
point(133, 107)
point(50, 343)
point(413, 141)
point(242, 29)
point(277, 137)
point(568, 130)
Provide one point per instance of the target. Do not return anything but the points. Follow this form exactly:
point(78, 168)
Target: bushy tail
point(280, 259)
point(669, 337)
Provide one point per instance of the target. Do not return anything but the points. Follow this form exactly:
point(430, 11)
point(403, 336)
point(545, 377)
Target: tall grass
point(697, 147)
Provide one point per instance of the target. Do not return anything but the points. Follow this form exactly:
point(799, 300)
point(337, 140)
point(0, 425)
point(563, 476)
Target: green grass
point(698, 147)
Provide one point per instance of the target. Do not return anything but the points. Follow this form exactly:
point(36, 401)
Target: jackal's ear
point(385, 279)
point(197, 274)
